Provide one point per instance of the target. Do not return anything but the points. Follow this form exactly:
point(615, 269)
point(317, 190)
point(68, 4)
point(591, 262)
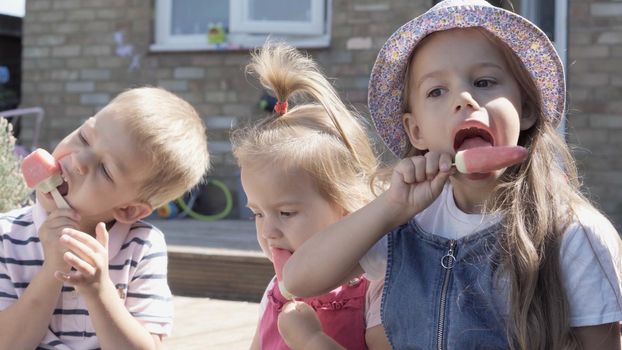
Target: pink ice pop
point(41, 171)
point(279, 258)
point(487, 159)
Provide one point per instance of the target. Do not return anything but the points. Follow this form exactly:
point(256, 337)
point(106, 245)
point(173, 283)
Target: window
point(237, 24)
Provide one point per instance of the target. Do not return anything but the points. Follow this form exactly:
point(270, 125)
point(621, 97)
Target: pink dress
point(341, 312)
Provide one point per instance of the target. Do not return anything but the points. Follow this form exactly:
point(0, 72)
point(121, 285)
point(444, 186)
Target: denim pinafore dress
point(443, 294)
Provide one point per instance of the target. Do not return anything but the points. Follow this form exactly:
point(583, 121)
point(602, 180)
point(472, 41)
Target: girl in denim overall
point(302, 170)
point(513, 258)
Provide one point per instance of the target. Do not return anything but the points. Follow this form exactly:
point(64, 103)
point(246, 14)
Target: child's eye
point(287, 213)
point(435, 92)
point(484, 83)
point(82, 138)
point(105, 172)
point(255, 216)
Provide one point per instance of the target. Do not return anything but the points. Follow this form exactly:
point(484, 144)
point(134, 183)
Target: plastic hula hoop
point(222, 214)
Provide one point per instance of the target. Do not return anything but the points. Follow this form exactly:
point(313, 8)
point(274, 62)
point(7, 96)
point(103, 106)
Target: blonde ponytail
point(322, 135)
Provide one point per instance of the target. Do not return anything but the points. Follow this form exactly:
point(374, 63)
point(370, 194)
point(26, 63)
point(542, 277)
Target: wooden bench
point(218, 273)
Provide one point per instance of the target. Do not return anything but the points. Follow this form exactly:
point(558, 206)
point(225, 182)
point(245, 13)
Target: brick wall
point(595, 95)
point(74, 64)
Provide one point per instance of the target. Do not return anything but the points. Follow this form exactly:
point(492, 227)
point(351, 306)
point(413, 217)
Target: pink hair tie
point(280, 107)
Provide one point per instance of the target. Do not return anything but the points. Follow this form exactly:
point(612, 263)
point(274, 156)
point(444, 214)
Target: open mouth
point(472, 137)
point(63, 188)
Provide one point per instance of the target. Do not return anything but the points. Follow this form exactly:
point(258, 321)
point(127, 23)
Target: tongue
point(279, 258)
point(474, 142)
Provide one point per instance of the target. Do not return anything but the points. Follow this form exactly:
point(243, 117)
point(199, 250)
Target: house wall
point(75, 61)
point(595, 99)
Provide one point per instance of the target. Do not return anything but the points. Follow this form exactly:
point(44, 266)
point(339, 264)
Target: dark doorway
point(10, 61)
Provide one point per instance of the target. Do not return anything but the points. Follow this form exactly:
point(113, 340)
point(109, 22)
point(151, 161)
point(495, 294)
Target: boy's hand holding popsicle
point(49, 234)
point(42, 172)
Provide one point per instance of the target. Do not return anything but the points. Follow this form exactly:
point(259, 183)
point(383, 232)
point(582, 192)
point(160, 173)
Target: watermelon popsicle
point(487, 159)
point(279, 258)
point(42, 172)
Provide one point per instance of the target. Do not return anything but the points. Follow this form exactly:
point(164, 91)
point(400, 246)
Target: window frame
point(244, 36)
point(239, 21)
point(560, 40)
point(529, 11)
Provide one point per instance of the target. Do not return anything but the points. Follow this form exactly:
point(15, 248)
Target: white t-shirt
point(591, 256)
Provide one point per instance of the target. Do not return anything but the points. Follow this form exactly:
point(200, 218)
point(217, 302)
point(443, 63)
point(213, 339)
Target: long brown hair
point(539, 198)
point(321, 136)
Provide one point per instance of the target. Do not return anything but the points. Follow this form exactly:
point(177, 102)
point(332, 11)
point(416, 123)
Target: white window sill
point(243, 42)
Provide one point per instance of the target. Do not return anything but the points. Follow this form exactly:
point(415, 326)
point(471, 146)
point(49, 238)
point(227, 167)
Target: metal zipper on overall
point(447, 262)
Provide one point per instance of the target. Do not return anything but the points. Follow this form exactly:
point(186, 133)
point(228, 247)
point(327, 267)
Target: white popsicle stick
point(60, 201)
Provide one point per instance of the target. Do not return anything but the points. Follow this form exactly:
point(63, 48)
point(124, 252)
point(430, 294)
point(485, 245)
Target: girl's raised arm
point(329, 256)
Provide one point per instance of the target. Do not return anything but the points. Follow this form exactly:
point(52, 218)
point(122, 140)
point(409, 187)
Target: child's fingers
point(445, 162)
point(78, 248)
point(431, 165)
point(404, 171)
point(303, 308)
point(289, 306)
point(420, 172)
point(60, 222)
point(63, 217)
point(79, 264)
point(74, 278)
point(438, 182)
point(85, 238)
point(68, 213)
point(101, 234)
point(61, 276)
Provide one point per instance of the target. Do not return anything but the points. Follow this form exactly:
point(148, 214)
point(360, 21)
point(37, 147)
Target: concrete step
point(219, 259)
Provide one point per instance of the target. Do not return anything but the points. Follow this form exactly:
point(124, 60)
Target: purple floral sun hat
point(527, 41)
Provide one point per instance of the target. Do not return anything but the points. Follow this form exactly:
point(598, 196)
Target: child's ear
point(528, 117)
point(132, 212)
point(412, 130)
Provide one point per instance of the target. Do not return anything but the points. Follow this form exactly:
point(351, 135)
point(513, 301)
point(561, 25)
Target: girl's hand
point(88, 256)
point(301, 328)
point(49, 236)
point(417, 181)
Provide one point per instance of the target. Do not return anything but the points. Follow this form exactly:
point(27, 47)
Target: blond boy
point(94, 276)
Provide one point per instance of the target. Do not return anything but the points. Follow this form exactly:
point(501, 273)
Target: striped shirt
point(137, 267)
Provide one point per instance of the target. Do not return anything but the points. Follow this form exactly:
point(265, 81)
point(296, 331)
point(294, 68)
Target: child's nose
point(81, 161)
point(465, 100)
point(270, 230)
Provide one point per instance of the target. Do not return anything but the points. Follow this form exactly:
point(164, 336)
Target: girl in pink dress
point(303, 169)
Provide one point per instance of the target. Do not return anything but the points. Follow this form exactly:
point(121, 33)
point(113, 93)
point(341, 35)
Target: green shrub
point(13, 190)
